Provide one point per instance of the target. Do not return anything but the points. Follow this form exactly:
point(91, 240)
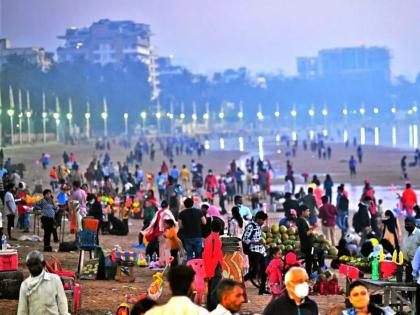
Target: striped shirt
point(253, 233)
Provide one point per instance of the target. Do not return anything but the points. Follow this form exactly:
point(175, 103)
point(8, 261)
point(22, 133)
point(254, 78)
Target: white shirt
point(48, 299)
point(220, 310)
point(178, 305)
point(9, 204)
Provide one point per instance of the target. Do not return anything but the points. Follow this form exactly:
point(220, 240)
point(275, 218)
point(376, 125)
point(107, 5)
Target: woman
point(328, 185)
point(213, 214)
point(391, 230)
point(149, 208)
point(235, 224)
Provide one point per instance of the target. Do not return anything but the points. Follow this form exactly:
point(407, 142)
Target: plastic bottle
point(148, 259)
point(400, 258)
point(4, 242)
point(375, 269)
point(154, 257)
point(394, 257)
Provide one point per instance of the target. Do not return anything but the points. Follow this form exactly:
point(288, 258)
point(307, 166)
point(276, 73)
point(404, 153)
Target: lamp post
point(293, 113)
point(345, 112)
point(206, 116)
point(1, 124)
point(194, 115)
point(11, 113)
point(126, 124)
point(104, 116)
point(56, 117)
point(20, 115)
point(325, 114)
point(87, 118)
point(143, 116)
point(28, 116)
point(44, 118)
point(69, 117)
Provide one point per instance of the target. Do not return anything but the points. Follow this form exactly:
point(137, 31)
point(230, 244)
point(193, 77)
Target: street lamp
point(221, 115)
point(87, 117)
point(28, 119)
point(376, 110)
point(293, 113)
point(126, 124)
point(240, 115)
point(311, 112)
point(104, 116)
point(393, 109)
point(11, 113)
point(362, 110)
point(277, 114)
point(260, 116)
point(194, 117)
point(206, 116)
point(56, 117)
point(182, 116)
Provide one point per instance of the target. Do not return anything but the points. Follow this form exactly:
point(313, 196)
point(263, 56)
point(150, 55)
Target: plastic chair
point(90, 224)
point(198, 266)
point(86, 241)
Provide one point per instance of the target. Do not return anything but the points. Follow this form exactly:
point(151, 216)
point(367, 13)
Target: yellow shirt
point(185, 173)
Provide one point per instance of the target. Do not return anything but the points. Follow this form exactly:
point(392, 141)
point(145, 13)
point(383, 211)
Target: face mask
point(360, 301)
point(302, 290)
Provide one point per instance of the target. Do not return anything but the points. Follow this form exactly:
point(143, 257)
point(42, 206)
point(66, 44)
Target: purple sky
point(209, 35)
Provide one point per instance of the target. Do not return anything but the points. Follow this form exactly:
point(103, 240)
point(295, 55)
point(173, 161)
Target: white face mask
point(302, 290)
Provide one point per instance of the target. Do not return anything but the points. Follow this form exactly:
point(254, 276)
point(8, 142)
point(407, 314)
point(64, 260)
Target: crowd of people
point(185, 211)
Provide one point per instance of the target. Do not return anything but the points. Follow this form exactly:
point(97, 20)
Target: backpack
point(247, 247)
point(357, 225)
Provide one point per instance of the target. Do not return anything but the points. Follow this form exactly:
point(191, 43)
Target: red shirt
point(212, 254)
point(327, 214)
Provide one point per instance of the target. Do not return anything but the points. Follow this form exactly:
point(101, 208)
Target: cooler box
point(8, 260)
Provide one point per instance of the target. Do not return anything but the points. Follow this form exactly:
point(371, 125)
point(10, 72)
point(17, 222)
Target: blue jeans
point(313, 219)
point(193, 245)
point(342, 222)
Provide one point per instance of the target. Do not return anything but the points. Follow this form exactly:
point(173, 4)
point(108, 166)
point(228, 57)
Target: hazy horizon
point(209, 36)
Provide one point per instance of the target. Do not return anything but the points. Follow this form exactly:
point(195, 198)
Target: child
point(290, 261)
point(274, 273)
point(174, 243)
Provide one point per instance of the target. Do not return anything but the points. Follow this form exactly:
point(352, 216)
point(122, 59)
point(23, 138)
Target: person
point(328, 214)
point(212, 213)
point(328, 186)
point(231, 296)
point(403, 165)
point(352, 166)
point(408, 199)
point(79, 195)
point(210, 182)
point(95, 210)
point(415, 264)
point(156, 229)
point(252, 246)
point(174, 243)
point(360, 301)
point(410, 244)
point(391, 230)
point(289, 221)
point(174, 173)
point(161, 180)
point(296, 300)
point(142, 306)
point(362, 218)
point(309, 200)
point(23, 216)
point(290, 261)
point(213, 263)
point(244, 211)
point(42, 292)
point(342, 206)
point(360, 154)
point(305, 231)
point(289, 204)
point(10, 209)
point(150, 207)
point(236, 223)
point(48, 208)
point(181, 283)
point(185, 177)
point(274, 273)
point(191, 221)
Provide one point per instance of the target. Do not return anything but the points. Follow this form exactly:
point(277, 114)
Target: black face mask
point(409, 229)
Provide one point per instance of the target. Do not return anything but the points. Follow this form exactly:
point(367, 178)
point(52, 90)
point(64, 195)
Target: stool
point(125, 273)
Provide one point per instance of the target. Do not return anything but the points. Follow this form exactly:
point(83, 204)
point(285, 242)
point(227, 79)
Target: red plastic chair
point(198, 266)
point(90, 224)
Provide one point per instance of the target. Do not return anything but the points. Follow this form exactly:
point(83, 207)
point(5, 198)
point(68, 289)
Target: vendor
point(410, 244)
point(360, 301)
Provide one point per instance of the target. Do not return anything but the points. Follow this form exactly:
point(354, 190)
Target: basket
point(8, 260)
point(86, 240)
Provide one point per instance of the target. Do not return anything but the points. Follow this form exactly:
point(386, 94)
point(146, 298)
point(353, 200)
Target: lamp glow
point(311, 113)
point(104, 115)
point(221, 115)
point(293, 113)
point(143, 115)
point(87, 115)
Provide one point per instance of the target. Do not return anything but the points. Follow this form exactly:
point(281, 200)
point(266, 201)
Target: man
point(161, 185)
point(239, 182)
point(10, 208)
point(191, 221)
point(231, 297)
point(48, 209)
point(80, 196)
point(245, 213)
point(138, 176)
point(255, 249)
point(210, 182)
point(309, 200)
point(362, 218)
point(3, 172)
point(343, 209)
point(181, 283)
point(306, 238)
point(185, 177)
point(296, 301)
point(42, 292)
point(409, 199)
point(352, 166)
point(410, 244)
point(328, 214)
point(174, 173)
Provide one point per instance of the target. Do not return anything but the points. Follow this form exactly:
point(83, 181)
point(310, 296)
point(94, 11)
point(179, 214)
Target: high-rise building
point(352, 62)
point(106, 42)
point(33, 55)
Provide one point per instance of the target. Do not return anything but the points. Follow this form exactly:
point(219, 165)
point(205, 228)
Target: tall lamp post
point(28, 116)
point(69, 117)
point(87, 118)
point(11, 113)
point(104, 116)
point(325, 114)
point(20, 116)
point(56, 116)
point(126, 124)
point(1, 121)
point(44, 118)
point(143, 116)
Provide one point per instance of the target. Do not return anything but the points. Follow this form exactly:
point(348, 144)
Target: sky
point(212, 35)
